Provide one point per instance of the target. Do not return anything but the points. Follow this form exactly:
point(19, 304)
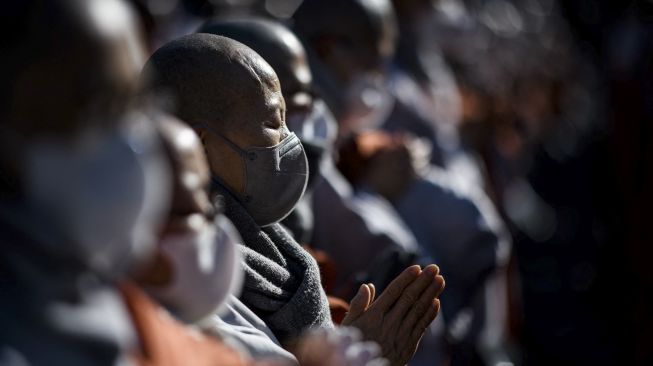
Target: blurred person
point(197, 273)
point(350, 44)
point(192, 273)
point(232, 97)
point(428, 99)
point(564, 203)
point(550, 155)
point(450, 224)
point(361, 232)
point(84, 182)
point(433, 104)
point(197, 251)
point(87, 193)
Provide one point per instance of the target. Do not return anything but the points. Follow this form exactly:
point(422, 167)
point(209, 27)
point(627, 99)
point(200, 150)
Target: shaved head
point(209, 79)
point(227, 92)
point(64, 61)
point(279, 47)
point(67, 65)
point(273, 41)
point(362, 22)
point(346, 40)
point(190, 171)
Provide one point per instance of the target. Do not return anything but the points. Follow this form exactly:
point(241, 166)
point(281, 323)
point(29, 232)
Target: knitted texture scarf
point(282, 281)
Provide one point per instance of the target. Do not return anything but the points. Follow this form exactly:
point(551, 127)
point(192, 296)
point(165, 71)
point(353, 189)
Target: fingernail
point(442, 281)
point(431, 269)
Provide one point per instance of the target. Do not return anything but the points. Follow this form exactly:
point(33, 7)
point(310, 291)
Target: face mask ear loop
point(231, 144)
point(243, 155)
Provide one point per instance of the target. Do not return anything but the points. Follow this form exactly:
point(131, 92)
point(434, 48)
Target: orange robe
point(164, 341)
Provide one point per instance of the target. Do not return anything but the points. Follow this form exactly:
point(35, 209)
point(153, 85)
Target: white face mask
point(368, 104)
point(107, 192)
point(206, 270)
point(318, 126)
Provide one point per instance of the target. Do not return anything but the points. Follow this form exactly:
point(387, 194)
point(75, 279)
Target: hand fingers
point(409, 298)
point(371, 286)
point(421, 307)
point(358, 304)
point(426, 320)
point(396, 288)
point(440, 280)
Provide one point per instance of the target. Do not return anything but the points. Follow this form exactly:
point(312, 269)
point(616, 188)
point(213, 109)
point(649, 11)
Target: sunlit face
point(297, 85)
point(190, 209)
point(261, 118)
point(261, 123)
point(190, 205)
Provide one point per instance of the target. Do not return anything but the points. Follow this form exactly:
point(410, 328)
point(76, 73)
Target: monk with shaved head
point(233, 99)
point(283, 51)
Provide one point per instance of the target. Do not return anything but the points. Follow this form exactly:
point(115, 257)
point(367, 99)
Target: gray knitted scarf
point(282, 281)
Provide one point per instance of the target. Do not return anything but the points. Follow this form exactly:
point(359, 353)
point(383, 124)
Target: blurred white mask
point(107, 192)
point(206, 270)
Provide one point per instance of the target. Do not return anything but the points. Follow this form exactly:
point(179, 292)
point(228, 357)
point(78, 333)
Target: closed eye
point(274, 124)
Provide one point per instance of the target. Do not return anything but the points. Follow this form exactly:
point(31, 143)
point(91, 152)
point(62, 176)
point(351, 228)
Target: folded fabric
point(282, 281)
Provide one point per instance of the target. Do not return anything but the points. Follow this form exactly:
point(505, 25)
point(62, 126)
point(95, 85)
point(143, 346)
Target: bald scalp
point(62, 66)
point(208, 79)
point(64, 69)
point(273, 41)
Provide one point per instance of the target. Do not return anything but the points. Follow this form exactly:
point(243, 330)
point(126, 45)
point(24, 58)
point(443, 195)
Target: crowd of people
point(292, 182)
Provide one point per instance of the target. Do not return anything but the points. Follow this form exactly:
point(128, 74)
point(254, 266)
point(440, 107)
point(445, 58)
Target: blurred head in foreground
point(78, 151)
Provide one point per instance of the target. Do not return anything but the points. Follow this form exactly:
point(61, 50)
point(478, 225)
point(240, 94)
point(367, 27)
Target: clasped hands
point(402, 313)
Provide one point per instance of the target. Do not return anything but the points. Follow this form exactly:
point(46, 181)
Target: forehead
point(258, 69)
point(265, 84)
point(265, 80)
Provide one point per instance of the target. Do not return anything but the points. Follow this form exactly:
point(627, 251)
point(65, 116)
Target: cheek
point(224, 162)
point(270, 137)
